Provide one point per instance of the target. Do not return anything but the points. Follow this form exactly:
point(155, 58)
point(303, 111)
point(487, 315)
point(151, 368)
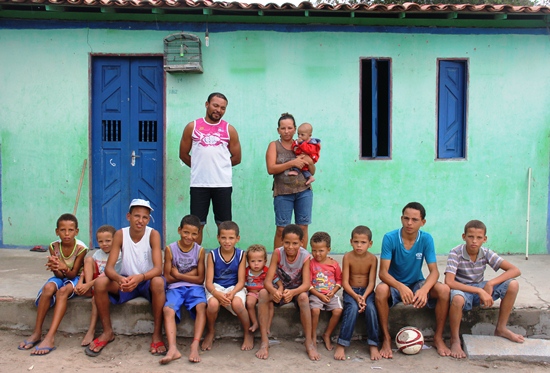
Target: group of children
point(130, 264)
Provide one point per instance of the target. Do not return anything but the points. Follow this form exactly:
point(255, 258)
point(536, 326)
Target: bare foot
point(263, 352)
point(292, 173)
point(207, 341)
point(312, 352)
point(374, 353)
point(328, 342)
point(88, 338)
point(508, 334)
point(441, 347)
point(194, 356)
point(310, 180)
point(340, 353)
point(248, 342)
point(253, 327)
point(172, 354)
point(386, 351)
point(456, 350)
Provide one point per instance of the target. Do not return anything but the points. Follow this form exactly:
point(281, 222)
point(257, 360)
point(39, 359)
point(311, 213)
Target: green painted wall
point(44, 127)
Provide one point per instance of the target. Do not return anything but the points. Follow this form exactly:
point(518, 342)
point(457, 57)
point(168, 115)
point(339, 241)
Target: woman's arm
point(271, 161)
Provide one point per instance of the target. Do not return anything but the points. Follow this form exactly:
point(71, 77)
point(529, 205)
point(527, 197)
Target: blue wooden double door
point(127, 131)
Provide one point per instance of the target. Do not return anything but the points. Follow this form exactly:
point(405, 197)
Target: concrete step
point(22, 273)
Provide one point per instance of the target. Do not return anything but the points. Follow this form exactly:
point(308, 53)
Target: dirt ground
point(130, 354)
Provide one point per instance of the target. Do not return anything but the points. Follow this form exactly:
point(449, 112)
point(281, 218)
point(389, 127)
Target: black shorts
point(221, 203)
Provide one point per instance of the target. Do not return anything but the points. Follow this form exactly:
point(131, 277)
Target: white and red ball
point(409, 340)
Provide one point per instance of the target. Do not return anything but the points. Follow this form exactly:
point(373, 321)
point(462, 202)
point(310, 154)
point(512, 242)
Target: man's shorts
point(334, 303)
point(241, 294)
point(142, 290)
point(299, 203)
point(59, 283)
point(396, 296)
point(221, 203)
point(472, 300)
point(188, 296)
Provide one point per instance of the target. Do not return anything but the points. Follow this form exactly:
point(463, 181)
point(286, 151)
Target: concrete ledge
point(135, 317)
point(481, 347)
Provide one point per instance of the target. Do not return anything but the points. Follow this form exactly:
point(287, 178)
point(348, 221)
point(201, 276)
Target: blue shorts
point(59, 283)
point(299, 203)
point(396, 295)
point(142, 290)
point(188, 296)
point(472, 300)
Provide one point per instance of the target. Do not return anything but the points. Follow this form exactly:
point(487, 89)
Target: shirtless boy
point(358, 279)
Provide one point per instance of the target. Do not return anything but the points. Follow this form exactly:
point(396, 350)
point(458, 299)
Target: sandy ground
point(130, 354)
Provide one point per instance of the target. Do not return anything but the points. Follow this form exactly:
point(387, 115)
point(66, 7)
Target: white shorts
point(241, 294)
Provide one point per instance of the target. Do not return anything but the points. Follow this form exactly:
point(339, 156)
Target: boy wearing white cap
point(140, 275)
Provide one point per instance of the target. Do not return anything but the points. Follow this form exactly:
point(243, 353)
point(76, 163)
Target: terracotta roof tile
point(380, 8)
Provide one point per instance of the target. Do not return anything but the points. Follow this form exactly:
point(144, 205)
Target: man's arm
point(185, 144)
point(406, 293)
point(234, 146)
point(156, 253)
point(113, 257)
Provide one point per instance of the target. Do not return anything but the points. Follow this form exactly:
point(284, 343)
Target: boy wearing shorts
point(326, 280)
point(65, 261)
point(291, 264)
point(140, 275)
point(256, 256)
point(225, 278)
point(94, 266)
point(184, 273)
point(403, 251)
point(465, 276)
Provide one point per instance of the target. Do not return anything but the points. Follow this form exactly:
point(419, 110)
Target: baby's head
point(257, 257)
point(105, 235)
point(304, 131)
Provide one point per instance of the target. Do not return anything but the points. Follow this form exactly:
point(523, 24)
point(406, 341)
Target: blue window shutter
point(452, 109)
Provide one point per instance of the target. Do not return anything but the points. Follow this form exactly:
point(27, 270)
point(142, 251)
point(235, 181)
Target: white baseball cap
point(140, 202)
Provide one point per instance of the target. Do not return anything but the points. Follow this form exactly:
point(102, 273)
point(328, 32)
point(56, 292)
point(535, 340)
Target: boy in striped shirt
point(464, 275)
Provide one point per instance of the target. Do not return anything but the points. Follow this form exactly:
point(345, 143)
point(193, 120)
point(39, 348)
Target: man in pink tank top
point(214, 148)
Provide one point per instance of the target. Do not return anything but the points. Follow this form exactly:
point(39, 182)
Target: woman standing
point(290, 192)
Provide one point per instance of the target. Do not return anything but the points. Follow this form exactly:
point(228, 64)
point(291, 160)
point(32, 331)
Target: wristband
point(311, 288)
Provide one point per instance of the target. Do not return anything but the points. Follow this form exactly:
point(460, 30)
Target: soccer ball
point(409, 340)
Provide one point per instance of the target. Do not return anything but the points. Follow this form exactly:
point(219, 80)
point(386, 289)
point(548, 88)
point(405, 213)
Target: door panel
point(127, 134)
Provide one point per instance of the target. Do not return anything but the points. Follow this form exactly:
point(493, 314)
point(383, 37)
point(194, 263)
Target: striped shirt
point(468, 272)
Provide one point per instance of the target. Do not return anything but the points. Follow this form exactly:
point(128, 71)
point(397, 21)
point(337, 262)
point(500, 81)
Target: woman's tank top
point(284, 183)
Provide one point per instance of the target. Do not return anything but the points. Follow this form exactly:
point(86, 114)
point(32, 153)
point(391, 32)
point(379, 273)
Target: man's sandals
point(97, 343)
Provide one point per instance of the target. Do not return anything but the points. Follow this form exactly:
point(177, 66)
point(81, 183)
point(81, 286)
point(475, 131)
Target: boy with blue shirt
point(225, 279)
point(465, 276)
point(403, 251)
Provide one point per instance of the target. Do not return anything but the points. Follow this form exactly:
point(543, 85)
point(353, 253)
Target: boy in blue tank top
point(184, 273)
point(403, 251)
point(225, 279)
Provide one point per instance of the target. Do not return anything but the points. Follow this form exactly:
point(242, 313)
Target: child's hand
point(420, 298)
point(361, 303)
point(407, 295)
point(485, 298)
point(222, 298)
point(277, 296)
point(130, 283)
point(288, 295)
point(82, 289)
point(174, 272)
